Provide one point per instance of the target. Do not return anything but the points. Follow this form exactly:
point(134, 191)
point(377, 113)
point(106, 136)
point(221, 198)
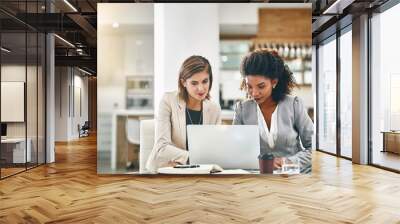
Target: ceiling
point(76, 22)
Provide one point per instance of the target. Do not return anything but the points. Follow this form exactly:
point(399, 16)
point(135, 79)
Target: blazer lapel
point(206, 112)
point(182, 119)
point(253, 119)
point(278, 120)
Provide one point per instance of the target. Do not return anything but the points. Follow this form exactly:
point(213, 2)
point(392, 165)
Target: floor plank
point(70, 191)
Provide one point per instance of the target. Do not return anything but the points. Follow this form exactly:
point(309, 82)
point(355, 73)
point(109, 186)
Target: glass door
point(346, 93)
point(327, 96)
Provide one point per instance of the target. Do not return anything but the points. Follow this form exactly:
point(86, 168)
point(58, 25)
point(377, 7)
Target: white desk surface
point(19, 152)
point(225, 172)
point(13, 140)
point(225, 115)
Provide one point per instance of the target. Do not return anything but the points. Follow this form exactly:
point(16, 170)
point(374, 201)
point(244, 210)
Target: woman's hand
point(173, 163)
point(278, 162)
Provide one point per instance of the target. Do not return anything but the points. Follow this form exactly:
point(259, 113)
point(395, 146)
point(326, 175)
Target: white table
point(118, 134)
point(18, 149)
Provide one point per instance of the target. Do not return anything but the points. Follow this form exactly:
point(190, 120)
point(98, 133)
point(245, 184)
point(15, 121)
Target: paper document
point(234, 171)
point(203, 169)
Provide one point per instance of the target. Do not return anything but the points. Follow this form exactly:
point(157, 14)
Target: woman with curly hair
point(285, 128)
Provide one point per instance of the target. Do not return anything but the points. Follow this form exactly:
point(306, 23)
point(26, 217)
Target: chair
point(132, 128)
point(84, 130)
point(147, 133)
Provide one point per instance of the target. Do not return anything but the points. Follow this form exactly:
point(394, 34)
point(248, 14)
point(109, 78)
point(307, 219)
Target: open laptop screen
point(229, 146)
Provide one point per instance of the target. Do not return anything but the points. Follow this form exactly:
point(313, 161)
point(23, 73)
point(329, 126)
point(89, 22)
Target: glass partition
point(41, 106)
point(31, 97)
point(327, 96)
point(346, 94)
point(385, 89)
point(23, 90)
point(13, 94)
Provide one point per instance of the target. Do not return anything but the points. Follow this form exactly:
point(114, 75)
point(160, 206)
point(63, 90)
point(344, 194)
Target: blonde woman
point(190, 105)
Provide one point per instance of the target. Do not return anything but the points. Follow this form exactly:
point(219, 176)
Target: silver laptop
point(229, 146)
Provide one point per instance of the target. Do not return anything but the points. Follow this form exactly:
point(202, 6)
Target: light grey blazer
point(295, 129)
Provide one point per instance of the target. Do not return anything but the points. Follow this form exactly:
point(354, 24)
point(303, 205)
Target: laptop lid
point(229, 146)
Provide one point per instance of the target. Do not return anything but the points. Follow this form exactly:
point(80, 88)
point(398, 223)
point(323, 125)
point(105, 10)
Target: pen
point(186, 166)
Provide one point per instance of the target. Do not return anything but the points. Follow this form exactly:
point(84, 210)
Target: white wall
point(129, 53)
point(85, 98)
point(33, 126)
point(126, 50)
point(80, 104)
point(15, 73)
point(61, 103)
point(67, 82)
point(239, 13)
point(123, 13)
point(231, 81)
point(180, 31)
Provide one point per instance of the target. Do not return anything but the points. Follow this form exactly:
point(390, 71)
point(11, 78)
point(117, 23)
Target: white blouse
point(269, 135)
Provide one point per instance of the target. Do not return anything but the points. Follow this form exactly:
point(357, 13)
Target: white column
point(64, 101)
point(314, 90)
point(360, 90)
point(50, 99)
point(182, 30)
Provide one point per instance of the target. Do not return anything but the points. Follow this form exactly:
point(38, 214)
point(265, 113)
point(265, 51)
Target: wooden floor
point(10, 171)
point(70, 191)
point(386, 159)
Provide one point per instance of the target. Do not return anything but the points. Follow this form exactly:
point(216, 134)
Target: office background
point(23, 87)
point(71, 94)
point(339, 190)
point(39, 108)
point(365, 46)
point(141, 47)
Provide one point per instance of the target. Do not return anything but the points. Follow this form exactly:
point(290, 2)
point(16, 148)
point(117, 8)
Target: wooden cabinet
point(391, 141)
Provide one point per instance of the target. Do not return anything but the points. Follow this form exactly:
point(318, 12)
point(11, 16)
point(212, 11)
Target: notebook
point(203, 169)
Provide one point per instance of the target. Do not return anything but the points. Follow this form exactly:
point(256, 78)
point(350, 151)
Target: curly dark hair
point(270, 65)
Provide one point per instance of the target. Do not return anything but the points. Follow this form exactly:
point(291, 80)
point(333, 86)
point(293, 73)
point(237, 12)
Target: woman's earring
point(273, 86)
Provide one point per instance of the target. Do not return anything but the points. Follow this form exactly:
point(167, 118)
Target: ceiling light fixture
point(70, 5)
point(337, 7)
point(5, 50)
point(64, 40)
point(84, 71)
point(115, 25)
